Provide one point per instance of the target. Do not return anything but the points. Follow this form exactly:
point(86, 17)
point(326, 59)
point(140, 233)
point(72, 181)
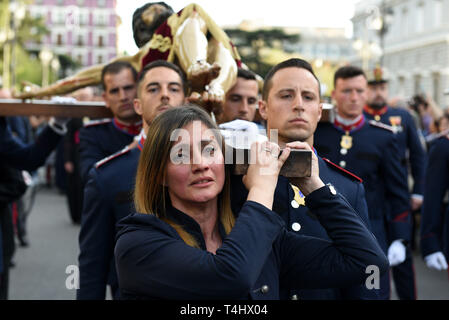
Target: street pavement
point(40, 271)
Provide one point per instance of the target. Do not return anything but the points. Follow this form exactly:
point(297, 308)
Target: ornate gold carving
point(160, 42)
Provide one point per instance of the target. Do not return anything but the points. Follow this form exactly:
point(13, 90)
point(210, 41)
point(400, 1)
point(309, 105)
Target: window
point(419, 23)
point(101, 3)
point(79, 58)
point(438, 12)
point(100, 59)
point(80, 41)
point(101, 20)
point(60, 17)
point(404, 22)
point(59, 41)
point(100, 41)
point(83, 18)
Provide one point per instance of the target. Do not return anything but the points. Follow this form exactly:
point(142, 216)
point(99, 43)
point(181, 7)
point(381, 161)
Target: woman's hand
point(262, 175)
point(314, 182)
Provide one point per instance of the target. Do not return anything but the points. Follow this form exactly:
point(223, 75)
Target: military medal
point(299, 199)
point(395, 121)
point(377, 117)
point(346, 143)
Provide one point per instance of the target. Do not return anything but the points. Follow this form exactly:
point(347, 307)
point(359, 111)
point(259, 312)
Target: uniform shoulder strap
point(112, 156)
point(381, 125)
point(344, 171)
point(93, 123)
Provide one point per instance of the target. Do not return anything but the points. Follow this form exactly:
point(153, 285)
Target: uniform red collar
point(374, 112)
point(349, 128)
point(133, 129)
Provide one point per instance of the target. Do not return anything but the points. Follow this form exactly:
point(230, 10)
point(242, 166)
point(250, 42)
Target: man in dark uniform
point(370, 150)
point(21, 128)
point(412, 155)
point(435, 213)
point(101, 138)
point(241, 101)
point(291, 105)
point(15, 154)
point(108, 193)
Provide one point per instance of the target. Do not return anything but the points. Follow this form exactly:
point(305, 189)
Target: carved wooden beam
point(17, 107)
point(297, 165)
point(328, 113)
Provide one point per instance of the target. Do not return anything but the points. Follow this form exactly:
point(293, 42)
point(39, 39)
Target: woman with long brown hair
point(186, 243)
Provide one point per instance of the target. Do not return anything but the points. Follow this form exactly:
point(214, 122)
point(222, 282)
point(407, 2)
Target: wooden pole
point(17, 107)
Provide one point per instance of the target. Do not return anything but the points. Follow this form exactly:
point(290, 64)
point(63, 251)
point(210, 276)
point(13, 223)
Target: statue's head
point(147, 19)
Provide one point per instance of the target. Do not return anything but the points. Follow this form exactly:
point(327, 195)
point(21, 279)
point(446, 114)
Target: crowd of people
point(164, 218)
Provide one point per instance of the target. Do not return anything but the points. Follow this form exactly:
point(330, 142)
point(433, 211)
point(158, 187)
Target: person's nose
point(244, 108)
point(298, 103)
point(199, 163)
point(354, 95)
point(122, 94)
point(165, 94)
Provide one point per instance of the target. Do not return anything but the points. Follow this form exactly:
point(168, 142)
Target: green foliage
point(66, 63)
point(31, 29)
point(26, 65)
point(253, 45)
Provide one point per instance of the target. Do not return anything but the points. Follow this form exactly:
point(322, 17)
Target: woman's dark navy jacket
point(154, 263)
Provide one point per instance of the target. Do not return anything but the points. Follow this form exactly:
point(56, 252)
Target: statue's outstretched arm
point(86, 77)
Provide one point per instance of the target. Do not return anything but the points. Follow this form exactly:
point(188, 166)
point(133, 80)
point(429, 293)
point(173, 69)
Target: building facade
point(415, 46)
point(321, 44)
point(85, 30)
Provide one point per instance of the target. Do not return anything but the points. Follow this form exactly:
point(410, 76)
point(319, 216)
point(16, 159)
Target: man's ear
point(138, 106)
point(320, 111)
point(263, 109)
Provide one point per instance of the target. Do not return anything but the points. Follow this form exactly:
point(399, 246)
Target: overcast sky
point(297, 13)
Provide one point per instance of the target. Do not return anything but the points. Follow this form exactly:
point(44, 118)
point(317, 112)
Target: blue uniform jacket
point(99, 139)
point(435, 218)
point(21, 128)
point(107, 199)
point(301, 221)
point(154, 262)
point(16, 154)
point(409, 142)
point(374, 157)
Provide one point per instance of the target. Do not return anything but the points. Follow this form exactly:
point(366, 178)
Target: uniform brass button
point(342, 164)
point(264, 289)
point(332, 189)
point(296, 226)
point(344, 151)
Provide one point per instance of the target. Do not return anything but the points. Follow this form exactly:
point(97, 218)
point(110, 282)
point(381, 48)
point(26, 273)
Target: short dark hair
point(246, 74)
point(116, 67)
point(166, 64)
point(347, 72)
point(294, 62)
